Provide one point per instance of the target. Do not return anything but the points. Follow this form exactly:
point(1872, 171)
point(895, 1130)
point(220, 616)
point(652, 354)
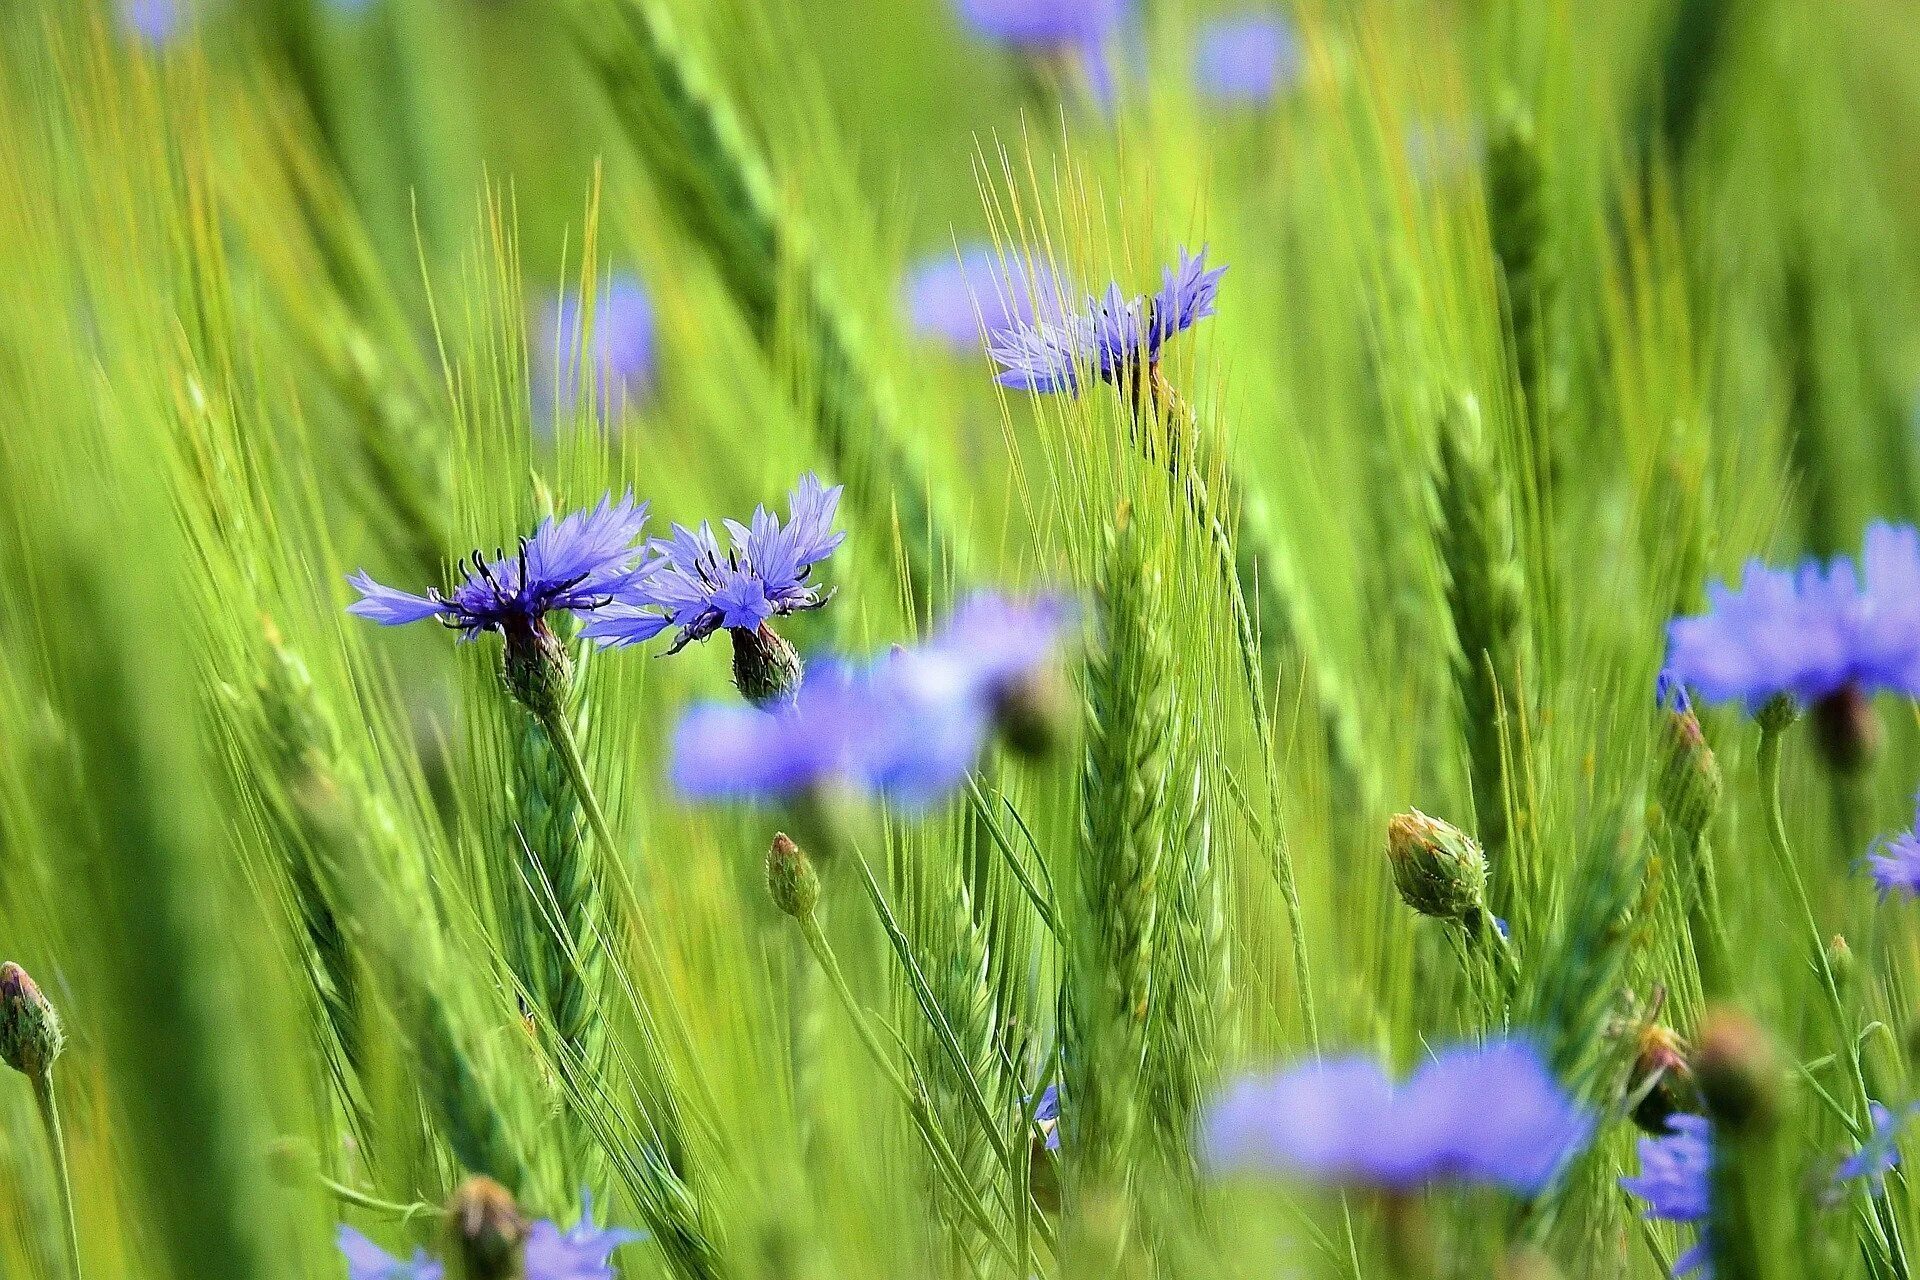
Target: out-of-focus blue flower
point(619, 346)
point(1047, 1116)
point(908, 725)
point(1879, 1154)
point(574, 565)
point(1045, 22)
point(368, 1261)
point(1489, 1113)
point(764, 574)
point(581, 1252)
point(960, 299)
point(1808, 633)
point(155, 21)
point(1895, 862)
point(1114, 336)
point(1248, 58)
point(1676, 1178)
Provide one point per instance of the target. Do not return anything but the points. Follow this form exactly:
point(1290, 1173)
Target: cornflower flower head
point(1676, 1170)
point(1046, 1116)
point(157, 22)
point(1895, 863)
point(573, 565)
point(1487, 1114)
point(1246, 59)
point(1045, 22)
point(960, 299)
point(1879, 1154)
point(764, 574)
point(1812, 634)
point(583, 1251)
point(1118, 338)
point(907, 726)
point(618, 347)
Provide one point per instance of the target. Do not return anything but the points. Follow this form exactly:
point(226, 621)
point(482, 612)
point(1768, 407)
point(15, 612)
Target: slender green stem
point(1770, 743)
point(57, 1144)
point(560, 733)
point(374, 1204)
point(916, 1103)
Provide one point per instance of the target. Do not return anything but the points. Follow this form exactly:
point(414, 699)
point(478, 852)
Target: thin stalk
point(560, 733)
point(57, 1144)
point(916, 1104)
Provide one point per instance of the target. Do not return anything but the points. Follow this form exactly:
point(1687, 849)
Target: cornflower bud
point(486, 1233)
point(1662, 1080)
point(1438, 868)
point(1848, 729)
point(791, 879)
point(766, 667)
point(538, 670)
point(30, 1035)
point(1690, 782)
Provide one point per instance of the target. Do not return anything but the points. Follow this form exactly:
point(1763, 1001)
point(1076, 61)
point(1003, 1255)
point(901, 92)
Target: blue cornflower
point(1489, 1113)
point(1879, 1154)
point(1811, 634)
point(1676, 1173)
point(573, 565)
point(958, 299)
point(691, 585)
point(1246, 59)
point(581, 1252)
point(1045, 22)
point(1046, 1116)
point(155, 21)
point(1895, 862)
point(619, 346)
point(908, 725)
point(1118, 338)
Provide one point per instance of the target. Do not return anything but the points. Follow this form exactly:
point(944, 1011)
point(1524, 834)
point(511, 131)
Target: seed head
point(1438, 868)
point(1738, 1071)
point(791, 879)
point(30, 1035)
point(487, 1233)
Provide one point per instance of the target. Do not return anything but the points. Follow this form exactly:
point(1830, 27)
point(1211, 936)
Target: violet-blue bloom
point(581, 1252)
point(764, 574)
point(1046, 1114)
point(1879, 1154)
point(156, 22)
point(619, 346)
point(573, 565)
point(1808, 633)
point(907, 726)
point(1045, 22)
point(978, 293)
point(1489, 1114)
point(1895, 862)
point(1115, 337)
point(1248, 58)
point(1675, 1180)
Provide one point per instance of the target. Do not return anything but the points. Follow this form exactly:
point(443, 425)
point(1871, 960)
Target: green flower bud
point(1690, 783)
point(791, 879)
point(30, 1035)
point(1738, 1071)
point(486, 1233)
point(1778, 713)
point(538, 671)
point(766, 668)
point(1032, 712)
point(1438, 868)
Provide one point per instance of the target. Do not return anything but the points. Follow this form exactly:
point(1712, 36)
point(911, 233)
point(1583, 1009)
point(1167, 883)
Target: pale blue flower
point(1247, 58)
point(1895, 862)
point(1676, 1178)
point(959, 299)
point(1879, 1154)
point(619, 346)
point(1044, 22)
point(1491, 1114)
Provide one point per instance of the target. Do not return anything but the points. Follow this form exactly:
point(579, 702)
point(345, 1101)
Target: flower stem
point(560, 733)
point(916, 1102)
point(1772, 731)
point(57, 1144)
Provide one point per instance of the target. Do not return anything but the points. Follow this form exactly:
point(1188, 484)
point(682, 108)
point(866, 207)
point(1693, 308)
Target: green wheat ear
point(718, 185)
point(1486, 595)
point(1123, 829)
